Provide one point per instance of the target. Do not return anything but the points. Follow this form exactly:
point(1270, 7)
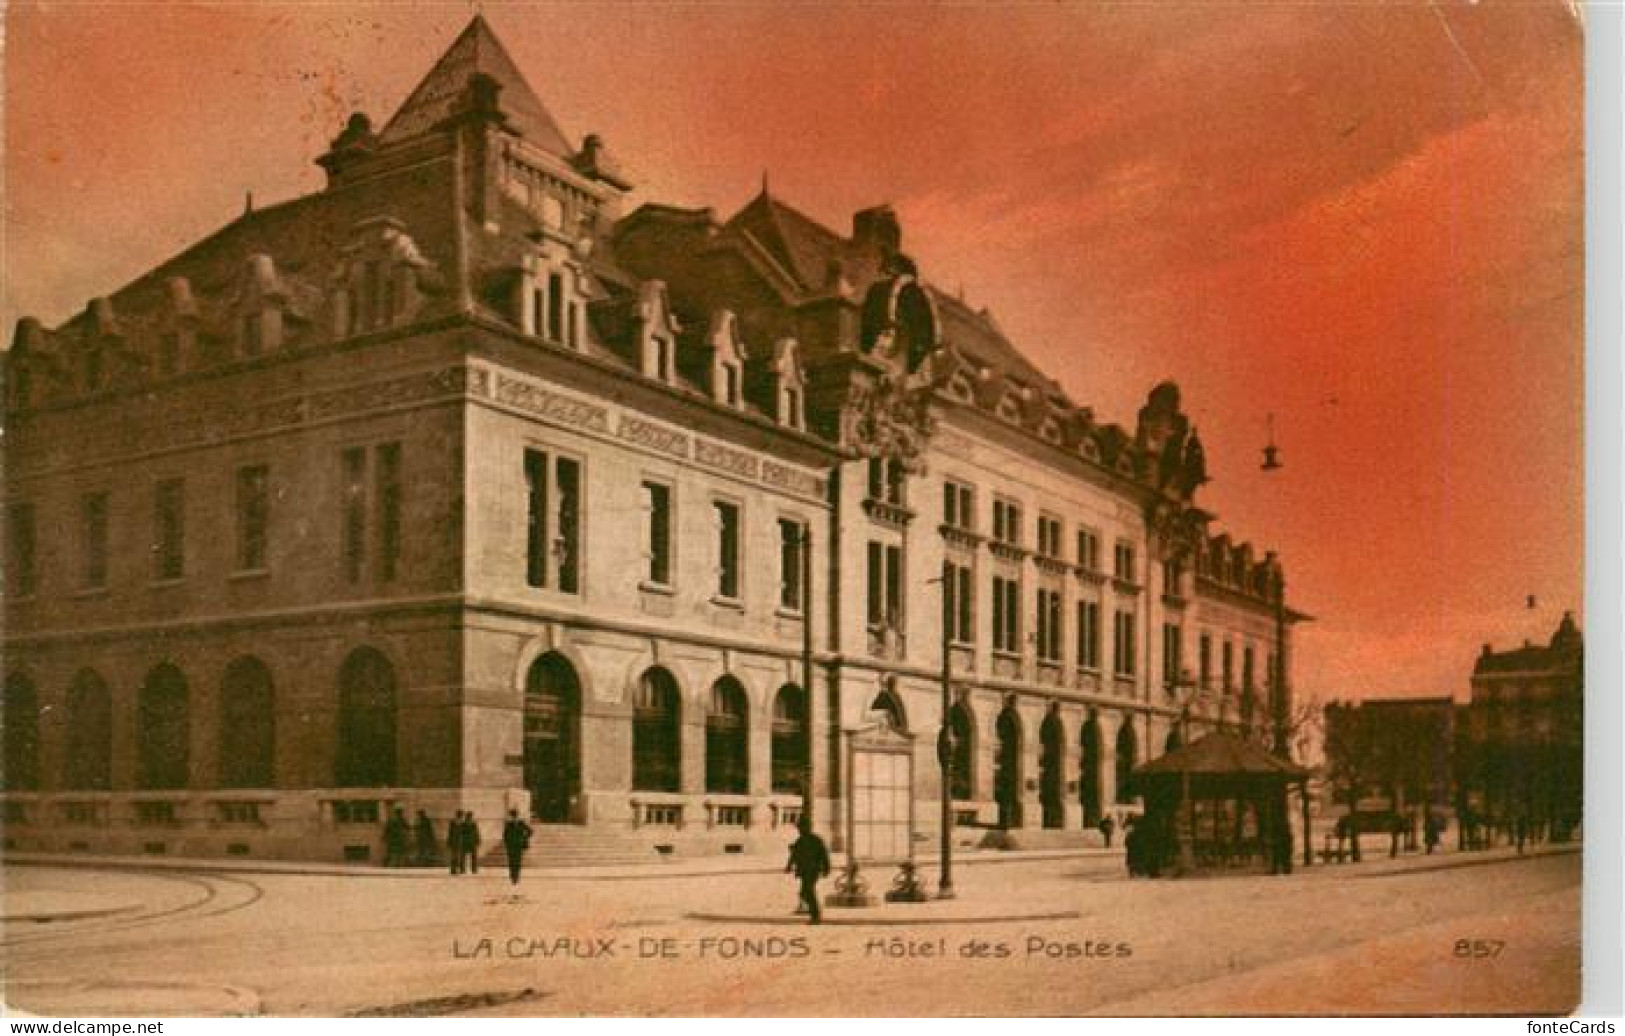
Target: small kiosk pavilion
point(1217, 805)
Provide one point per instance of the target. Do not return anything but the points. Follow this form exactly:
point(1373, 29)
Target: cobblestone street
point(1381, 937)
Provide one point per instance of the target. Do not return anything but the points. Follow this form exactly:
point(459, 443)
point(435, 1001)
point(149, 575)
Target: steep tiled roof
point(476, 52)
point(803, 247)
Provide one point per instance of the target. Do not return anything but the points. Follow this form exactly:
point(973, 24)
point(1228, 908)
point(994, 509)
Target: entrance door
point(553, 739)
point(1007, 768)
point(1052, 771)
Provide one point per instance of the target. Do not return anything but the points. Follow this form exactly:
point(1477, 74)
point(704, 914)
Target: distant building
point(1521, 743)
point(452, 486)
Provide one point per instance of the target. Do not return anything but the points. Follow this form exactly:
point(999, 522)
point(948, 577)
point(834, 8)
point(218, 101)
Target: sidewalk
point(655, 869)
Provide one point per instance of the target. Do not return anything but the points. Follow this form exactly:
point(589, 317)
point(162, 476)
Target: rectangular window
point(885, 573)
point(169, 529)
point(567, 524)
point(1089, 634)
point(536, 485)
point(1204, 660)
point(1229, 667)
point(1089, 550)
point(727, 518)
point(1049, 625)
point(1247, 668)
point(388, 477)
point(552, 522)
point(1007, 522)
point(1172, 649)
point(792, 407)
point(1123, 643)
point(22, 549)
point(657, 539)
point(253, 516)
point(792, 542)
point(662, 351)
point(1006, 615)
point(961, 599)
point(958, 509)
point(93, 514)
point(730, 384)
point(1123, 562)
point(353, 464)
point(887, 481)
point(555, 307)
point(1049, 536)
point(1173, 574)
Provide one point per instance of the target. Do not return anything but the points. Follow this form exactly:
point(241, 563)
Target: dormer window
point(252, 338)
point(661, 350)
point(789, 387)
point(380, 281)
point(727, 360)
point(730, 384)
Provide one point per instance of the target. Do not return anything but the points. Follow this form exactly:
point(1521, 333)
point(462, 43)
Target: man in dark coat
point(428, 845)
point(809, 859)
point(515, 840)
point(1107, 825)
point(471, 841)
point(395, 837)
point(454, 842)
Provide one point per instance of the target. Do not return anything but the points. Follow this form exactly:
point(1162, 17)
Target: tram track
point(214, 901)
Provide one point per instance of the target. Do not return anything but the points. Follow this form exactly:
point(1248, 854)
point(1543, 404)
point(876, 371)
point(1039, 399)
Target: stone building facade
point(456, 486)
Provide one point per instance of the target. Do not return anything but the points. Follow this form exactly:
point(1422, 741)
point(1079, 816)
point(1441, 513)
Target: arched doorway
point(1052, 770)
point(1127, 760)
point(247, 726)
point(88, 765)
point(552, 727)
point(1089, 773)
point(890, 711)
point(963, 726)
point(163, 730)
point(366, 735)
point(1007, 767)
point(789, 746)
point(727, 747)
point(656, 733)
point(21, 718)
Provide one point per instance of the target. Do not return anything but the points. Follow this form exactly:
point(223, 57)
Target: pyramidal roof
point(476, 52)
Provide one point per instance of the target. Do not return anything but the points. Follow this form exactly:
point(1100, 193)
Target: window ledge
point(795, 614)
point(734, 604)
point(244, 575)
point(164, 584)
point(663, 589)
point(89, 593)
point(1127, 586)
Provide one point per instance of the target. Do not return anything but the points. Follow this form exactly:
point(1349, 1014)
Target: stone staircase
point(1041, 838)
point(568, 845)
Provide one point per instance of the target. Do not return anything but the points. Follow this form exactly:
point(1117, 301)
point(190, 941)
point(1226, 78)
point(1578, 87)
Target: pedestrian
point(428, 845)
point(1520, 830)
point(1396, 828)
point(471, 841)
point(454, 842)
point(1430, 832)
point(396, 832)
point(515, 839)
point(1107, 826)
point(809, 859)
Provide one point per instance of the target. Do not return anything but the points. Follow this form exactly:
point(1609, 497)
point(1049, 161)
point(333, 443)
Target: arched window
point(366, 734)
point(1052, 770)
point(247, 726)
point(727, 753)
point(21, 718)
point(88, 765)
point(1127, 759)
point(963, 725)
point(1089, 773)
point(163, 730)
point(890, 711)
point(553, 738)
point(1007, 767)
point(789, 747)
point(656, 733)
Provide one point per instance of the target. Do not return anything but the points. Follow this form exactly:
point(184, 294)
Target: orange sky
point(1367, 219)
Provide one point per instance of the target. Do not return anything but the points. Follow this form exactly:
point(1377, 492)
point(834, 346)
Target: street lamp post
point(945, 738)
